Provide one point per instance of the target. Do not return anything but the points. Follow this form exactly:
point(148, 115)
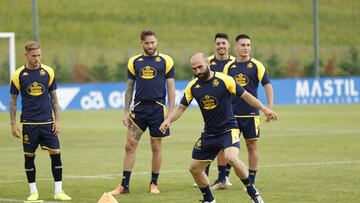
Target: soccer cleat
point(154, 189)
point(195, 185)
point(120, 190)
point(218, 185)
point(203, 201)
point(62, 196)
point(256, 198)
point(227, 181)
point(33, 196)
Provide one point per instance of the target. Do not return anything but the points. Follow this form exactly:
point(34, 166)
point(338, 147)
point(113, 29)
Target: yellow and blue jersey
point(214, 99)
point(34, 87)
point(150, 74)
point(218, 65)
point(248, 75)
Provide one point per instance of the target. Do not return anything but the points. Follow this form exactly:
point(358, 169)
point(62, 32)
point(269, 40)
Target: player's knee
point(251, 145)
point(130, 147)
point(29, 154)
point(54, 151)
point(194, 170)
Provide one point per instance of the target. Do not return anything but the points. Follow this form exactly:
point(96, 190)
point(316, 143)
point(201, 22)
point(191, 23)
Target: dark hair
point(146, 33)
point(221, 35)
point(241, 36)
point(31, 45)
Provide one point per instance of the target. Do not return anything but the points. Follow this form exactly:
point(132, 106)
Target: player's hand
point(164, 126)
point(56, 127)
point(15, 131)
point(126, 118)
point(269, 114)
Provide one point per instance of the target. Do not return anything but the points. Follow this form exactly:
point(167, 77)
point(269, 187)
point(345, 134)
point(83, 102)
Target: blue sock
point(222, 173)
point(30, 169)
point(206, 192)
point(56, 167)
point(207, 169)
point(154, 178)
point(228, 169)
point(126, 179)
point(249, 186)
point(252, 174)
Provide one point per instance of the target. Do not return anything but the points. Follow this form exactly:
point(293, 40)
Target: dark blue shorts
point(249, 127)
point(149, 114)
point(35, 134)
point(207, 147)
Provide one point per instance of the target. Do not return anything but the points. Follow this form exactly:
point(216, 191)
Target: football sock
point(32, 187)
point(126, 179)
point(154, 178)
point(56, 167)
point(252, 174)
point(228, 169)
point(249, 186)
point(206, 192)
point(30, 169)
point(58, 186)
point(222, 173)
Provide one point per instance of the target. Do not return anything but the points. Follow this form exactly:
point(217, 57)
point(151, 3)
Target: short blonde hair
point(32, 45)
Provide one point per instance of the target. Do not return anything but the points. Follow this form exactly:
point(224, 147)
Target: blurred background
point(91, 41)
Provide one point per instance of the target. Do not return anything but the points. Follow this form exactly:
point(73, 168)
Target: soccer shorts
point(149, 114)
point(207, 147)
point(249, 127)
point(35, 134)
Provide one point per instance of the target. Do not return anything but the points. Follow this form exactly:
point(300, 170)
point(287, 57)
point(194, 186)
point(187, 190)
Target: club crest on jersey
point(198, 145)
point(147, 72)
point(42, 72)
point(241, 79)
point(216, 83)
point(250, 65)
point(26, 139)
point(158, 59)
point(208, 102)
point(36, 89)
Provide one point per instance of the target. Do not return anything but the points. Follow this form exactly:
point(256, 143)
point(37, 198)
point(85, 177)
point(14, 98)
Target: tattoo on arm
point(129, 93)
point(55, 104)
point(13, 108)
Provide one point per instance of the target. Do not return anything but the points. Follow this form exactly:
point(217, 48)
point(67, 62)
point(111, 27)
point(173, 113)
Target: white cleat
point(227, 181)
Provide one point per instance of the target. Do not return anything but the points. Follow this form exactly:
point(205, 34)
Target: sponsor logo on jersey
point(36, 89)
point(25, 74)
point(197, 86)
point(147, 72)
point(208, 102)
point(241, 79)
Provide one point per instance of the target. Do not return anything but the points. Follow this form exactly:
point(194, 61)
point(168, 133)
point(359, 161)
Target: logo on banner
point(327, 91)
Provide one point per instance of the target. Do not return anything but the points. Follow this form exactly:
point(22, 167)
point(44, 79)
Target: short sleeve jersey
point(214, 99)
point(248, 75)
point(218, 65)
point(34, 87)
point(150, 74)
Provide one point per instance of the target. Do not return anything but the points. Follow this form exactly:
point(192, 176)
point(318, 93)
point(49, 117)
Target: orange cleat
point(120, 190)
point(154, 189)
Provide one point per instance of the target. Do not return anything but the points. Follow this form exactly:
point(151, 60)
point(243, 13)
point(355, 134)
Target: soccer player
point(37, 85)
point(248, 73)
point(150, 71)
point(217, 63)
point(212, 91)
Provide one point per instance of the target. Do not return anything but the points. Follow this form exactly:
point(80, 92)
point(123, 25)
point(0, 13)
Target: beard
point(150, 52)
point(205, 75)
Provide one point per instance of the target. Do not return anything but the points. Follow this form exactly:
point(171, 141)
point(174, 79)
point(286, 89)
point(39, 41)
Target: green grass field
point(312, 154)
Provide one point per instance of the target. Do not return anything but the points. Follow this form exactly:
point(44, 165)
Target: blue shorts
point(149, 114)
point(35, 134)
point(249, 127)
point(207, 147)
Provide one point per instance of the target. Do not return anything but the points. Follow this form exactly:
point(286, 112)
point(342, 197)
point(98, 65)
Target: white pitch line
point(113, 176)
point(18, 200)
